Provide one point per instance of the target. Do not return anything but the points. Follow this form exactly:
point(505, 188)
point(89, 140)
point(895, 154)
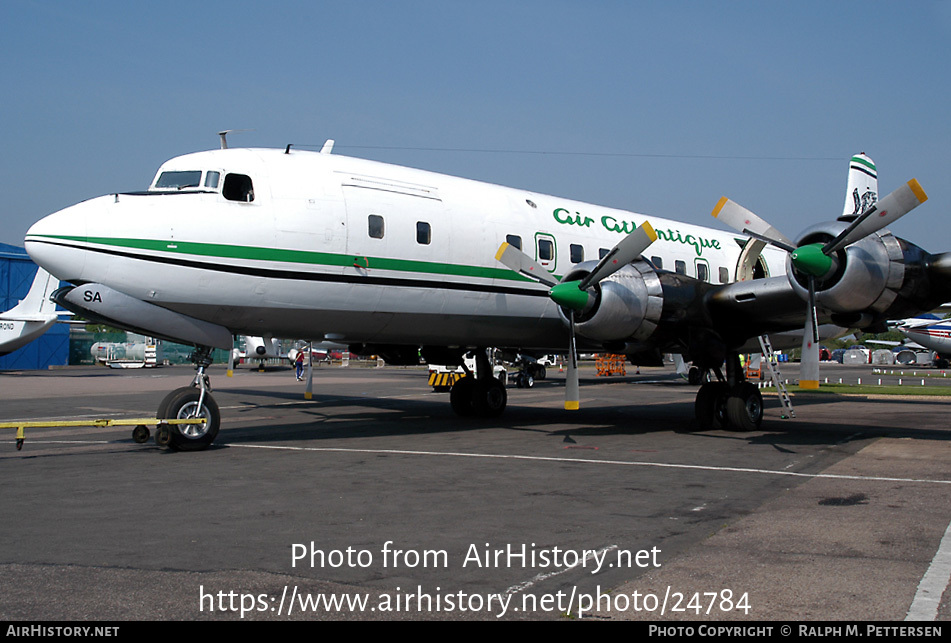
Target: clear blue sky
point(655, 107)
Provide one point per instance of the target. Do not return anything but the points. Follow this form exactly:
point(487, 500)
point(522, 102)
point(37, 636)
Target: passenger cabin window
point(424, 234)
point(546, 250)
point(658, 262)
point(514, 240)
point(238, 187)
point(576, 252)
point(724, 275)
point(178, 180)
point(375, 226)
point(703, 271)
point(680, 267)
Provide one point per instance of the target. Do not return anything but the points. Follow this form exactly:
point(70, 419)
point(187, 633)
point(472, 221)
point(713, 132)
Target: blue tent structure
point(16, 276)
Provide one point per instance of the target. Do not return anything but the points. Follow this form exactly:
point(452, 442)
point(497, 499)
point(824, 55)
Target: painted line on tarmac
point(520, 587)
point(933, 584)
point(536, 458)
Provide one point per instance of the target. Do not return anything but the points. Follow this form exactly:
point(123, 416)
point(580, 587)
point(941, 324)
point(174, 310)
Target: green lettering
point(609, 226)
point(567, 219)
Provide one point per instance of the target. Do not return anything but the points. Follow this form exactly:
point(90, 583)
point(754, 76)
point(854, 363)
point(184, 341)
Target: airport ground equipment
point(769, 358)
point(140, 434)
point(442, 380)
point(610, 364)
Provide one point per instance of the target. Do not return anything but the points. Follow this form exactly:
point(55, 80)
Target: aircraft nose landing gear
point(191, 402)
point(479, 394)
point(733, 403)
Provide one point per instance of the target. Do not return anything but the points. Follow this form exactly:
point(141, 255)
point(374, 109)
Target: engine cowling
point(627, 304)
point(868, 275)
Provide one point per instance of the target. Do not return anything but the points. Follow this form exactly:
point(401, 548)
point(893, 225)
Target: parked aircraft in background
point(261, 349)
point(30, 318)
point(930, 332)
point(401, 262)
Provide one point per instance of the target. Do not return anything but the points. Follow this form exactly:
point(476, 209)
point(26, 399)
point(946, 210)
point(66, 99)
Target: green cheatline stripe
point(856, 159)
point(280, 255)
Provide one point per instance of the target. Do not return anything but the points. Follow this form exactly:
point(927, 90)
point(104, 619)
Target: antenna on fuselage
point(328, 147)
point(224, 136)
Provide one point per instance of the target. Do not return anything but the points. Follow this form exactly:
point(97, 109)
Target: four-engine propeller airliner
point(406, 263)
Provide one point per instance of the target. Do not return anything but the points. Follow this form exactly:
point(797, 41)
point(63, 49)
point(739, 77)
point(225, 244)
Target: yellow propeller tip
point(918, 191)
point(649, 229)
point(502, 248)
point(722, 202)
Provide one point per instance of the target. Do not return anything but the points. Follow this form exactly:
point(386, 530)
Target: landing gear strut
point(479, 394)
point(730, 403)
point(190, 402)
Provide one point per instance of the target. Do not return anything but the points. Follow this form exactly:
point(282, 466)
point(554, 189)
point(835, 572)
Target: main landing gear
point(479, 394)
point(190, 402)
point(731, 403)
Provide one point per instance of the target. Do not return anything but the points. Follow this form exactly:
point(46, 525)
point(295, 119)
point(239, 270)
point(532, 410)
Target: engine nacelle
point(869, 273)
point(627, 305)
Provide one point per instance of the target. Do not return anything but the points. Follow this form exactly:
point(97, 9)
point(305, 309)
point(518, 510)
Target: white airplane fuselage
point(936, 337)
point(351, 250)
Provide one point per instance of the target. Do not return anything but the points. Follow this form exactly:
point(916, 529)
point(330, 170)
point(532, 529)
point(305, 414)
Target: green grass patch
point(869, 389)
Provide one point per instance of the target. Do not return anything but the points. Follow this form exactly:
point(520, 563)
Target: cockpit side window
point(211, 180)
point(238, 187)
point(179, 180)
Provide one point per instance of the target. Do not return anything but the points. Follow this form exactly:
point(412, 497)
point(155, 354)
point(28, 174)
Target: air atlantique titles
point(611, 224)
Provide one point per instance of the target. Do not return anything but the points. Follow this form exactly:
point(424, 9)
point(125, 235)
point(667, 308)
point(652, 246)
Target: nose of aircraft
point(57, 242)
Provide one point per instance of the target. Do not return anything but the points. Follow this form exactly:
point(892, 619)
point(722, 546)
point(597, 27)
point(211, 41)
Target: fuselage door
point(546, 251)
point(751, 264)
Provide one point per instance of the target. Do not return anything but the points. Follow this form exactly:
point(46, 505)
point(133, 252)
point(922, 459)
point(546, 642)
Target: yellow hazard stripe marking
point(919, 193)
point(444, 379)
point(572, 406)
point(808, 383)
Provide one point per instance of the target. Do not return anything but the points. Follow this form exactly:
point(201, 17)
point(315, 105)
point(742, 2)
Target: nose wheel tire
point(710, 405)
point(744, 407)
point(490, 398)
point(183, 404)
point(470, 397)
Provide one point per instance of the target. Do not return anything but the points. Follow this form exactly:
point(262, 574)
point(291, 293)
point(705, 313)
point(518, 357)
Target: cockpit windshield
point(178, 180)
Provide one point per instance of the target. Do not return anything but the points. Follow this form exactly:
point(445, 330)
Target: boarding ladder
point(773, 367)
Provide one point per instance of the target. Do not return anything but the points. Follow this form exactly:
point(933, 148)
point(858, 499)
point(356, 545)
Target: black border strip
point(864, 171)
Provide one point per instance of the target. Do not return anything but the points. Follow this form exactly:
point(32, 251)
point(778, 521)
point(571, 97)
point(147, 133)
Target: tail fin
point(862, 190)
point(36, 306)
point(32, 316)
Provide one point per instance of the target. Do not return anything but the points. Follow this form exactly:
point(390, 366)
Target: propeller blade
point(627, 250)
point(572, 387)
point(809, 361)
point(742, 220)
point(886, 211)
point(516, 260)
